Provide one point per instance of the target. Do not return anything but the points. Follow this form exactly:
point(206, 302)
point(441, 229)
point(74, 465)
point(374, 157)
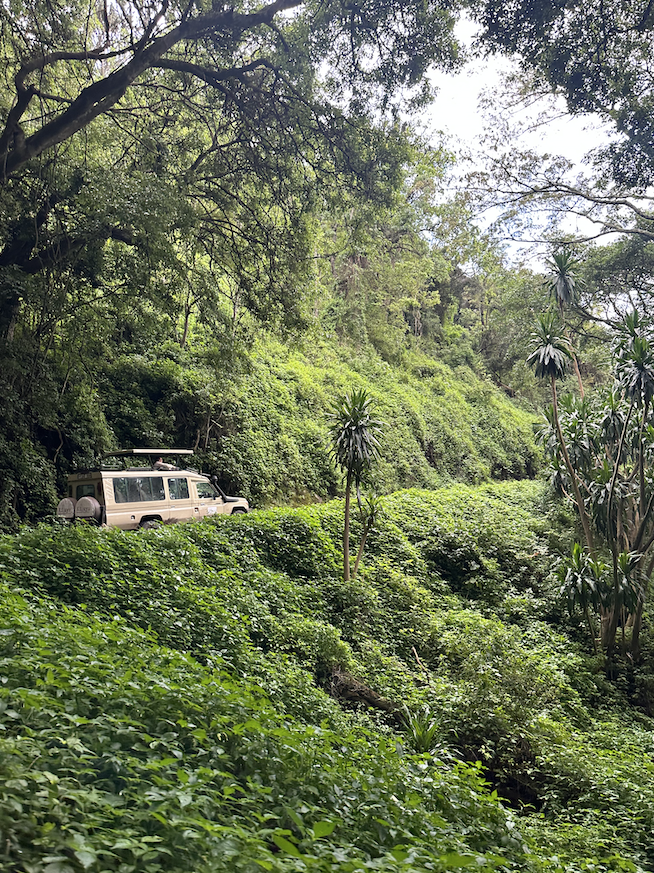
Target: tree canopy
point(129, 121)
point(598, 57)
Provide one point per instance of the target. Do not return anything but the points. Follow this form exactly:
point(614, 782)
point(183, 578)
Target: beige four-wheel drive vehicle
point(144, 496)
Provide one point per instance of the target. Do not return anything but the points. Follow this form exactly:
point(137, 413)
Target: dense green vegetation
point(264, 429)
point(258, 420)
point(214, 696)
point(217, 223)
point(170, 276)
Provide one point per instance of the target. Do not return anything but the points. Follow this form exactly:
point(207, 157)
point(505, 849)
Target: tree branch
point(98, 98)
point(212, 77)
point(67, 247)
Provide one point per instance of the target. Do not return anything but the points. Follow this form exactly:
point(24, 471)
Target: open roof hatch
point(125, 452)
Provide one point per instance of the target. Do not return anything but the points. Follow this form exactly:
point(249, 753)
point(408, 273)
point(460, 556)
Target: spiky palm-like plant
point(355, 447)
point(581, 580)
point(549, 360)
point(563, 285)
point(552, 351)
point(563, 279)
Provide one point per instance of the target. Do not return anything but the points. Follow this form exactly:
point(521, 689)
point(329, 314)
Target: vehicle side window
point(205, 491)
point(86, 490)
point(121, 491)
point(178, 489)
point(138, 489)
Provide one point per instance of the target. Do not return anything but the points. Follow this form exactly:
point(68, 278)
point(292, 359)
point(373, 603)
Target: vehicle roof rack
point(124, 452)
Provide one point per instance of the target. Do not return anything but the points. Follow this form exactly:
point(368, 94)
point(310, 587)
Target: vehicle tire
point(88, 509)
point(238, 511)
point(149, 524)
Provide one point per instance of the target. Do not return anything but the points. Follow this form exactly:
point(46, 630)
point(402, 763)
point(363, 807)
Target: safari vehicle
point(131, 497)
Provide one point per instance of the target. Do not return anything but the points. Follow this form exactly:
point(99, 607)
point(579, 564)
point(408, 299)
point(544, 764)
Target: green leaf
point(454, 860)
point(399, 853)
point(286, 846)
point(323, 829)
point(184, 799)
point(86, 857)
point(297, 819)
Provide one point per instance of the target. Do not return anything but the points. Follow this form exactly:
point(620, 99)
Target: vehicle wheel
point(238, 511)
point(150, 524)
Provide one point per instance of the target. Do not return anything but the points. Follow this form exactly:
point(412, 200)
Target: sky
point(456, 110)
point(456, 113)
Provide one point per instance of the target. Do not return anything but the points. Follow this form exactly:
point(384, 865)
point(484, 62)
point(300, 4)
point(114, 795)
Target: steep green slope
point(263, 429)
point(259, 421)
point(214, 697)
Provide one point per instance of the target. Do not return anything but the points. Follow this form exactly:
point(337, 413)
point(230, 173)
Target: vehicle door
point(208, 501)
point(182, 505)
point(134, 498)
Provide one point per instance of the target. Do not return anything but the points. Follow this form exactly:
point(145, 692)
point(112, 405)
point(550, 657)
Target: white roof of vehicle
point(120, 452)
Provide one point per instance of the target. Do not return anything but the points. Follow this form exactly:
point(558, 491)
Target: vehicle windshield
point(206, 491)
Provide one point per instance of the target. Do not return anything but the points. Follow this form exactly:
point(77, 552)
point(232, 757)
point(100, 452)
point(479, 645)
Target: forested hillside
point(227, 227)
point(213, 225)
point(383, 304)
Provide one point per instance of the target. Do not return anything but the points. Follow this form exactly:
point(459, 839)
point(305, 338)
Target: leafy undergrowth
point(442, 423)
point(213, 697)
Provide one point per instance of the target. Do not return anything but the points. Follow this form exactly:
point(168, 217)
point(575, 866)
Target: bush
point(118, 754)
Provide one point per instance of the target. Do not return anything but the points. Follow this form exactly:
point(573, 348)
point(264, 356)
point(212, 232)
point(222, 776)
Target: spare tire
point(66, 508)
point(88, 508)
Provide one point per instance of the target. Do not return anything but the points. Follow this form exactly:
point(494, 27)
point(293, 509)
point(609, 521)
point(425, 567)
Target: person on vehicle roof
point(160, 465)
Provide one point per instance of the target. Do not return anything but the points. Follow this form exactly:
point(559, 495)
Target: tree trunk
point(9, 311)
point(605, 624)
point(642, 503)
point(575, 363)
point(362, 543)
point(346, 528)
point(581, 506)
point(636, 626)
point(611, 627)
point(590, 628)
point(187, 319)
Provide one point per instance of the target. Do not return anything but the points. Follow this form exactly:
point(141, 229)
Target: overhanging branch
point(212, 77)
point(98, 98)
point(67, 247)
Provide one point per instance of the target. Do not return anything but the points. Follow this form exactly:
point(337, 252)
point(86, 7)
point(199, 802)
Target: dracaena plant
point(549, 358)
point(603, 455)
point(563, 284)
point(355, 447)
point(581, 583)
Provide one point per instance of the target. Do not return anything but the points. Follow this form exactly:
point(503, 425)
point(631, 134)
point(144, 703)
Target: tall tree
point(226, 97)
point(355, 447)
point(598, 56)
